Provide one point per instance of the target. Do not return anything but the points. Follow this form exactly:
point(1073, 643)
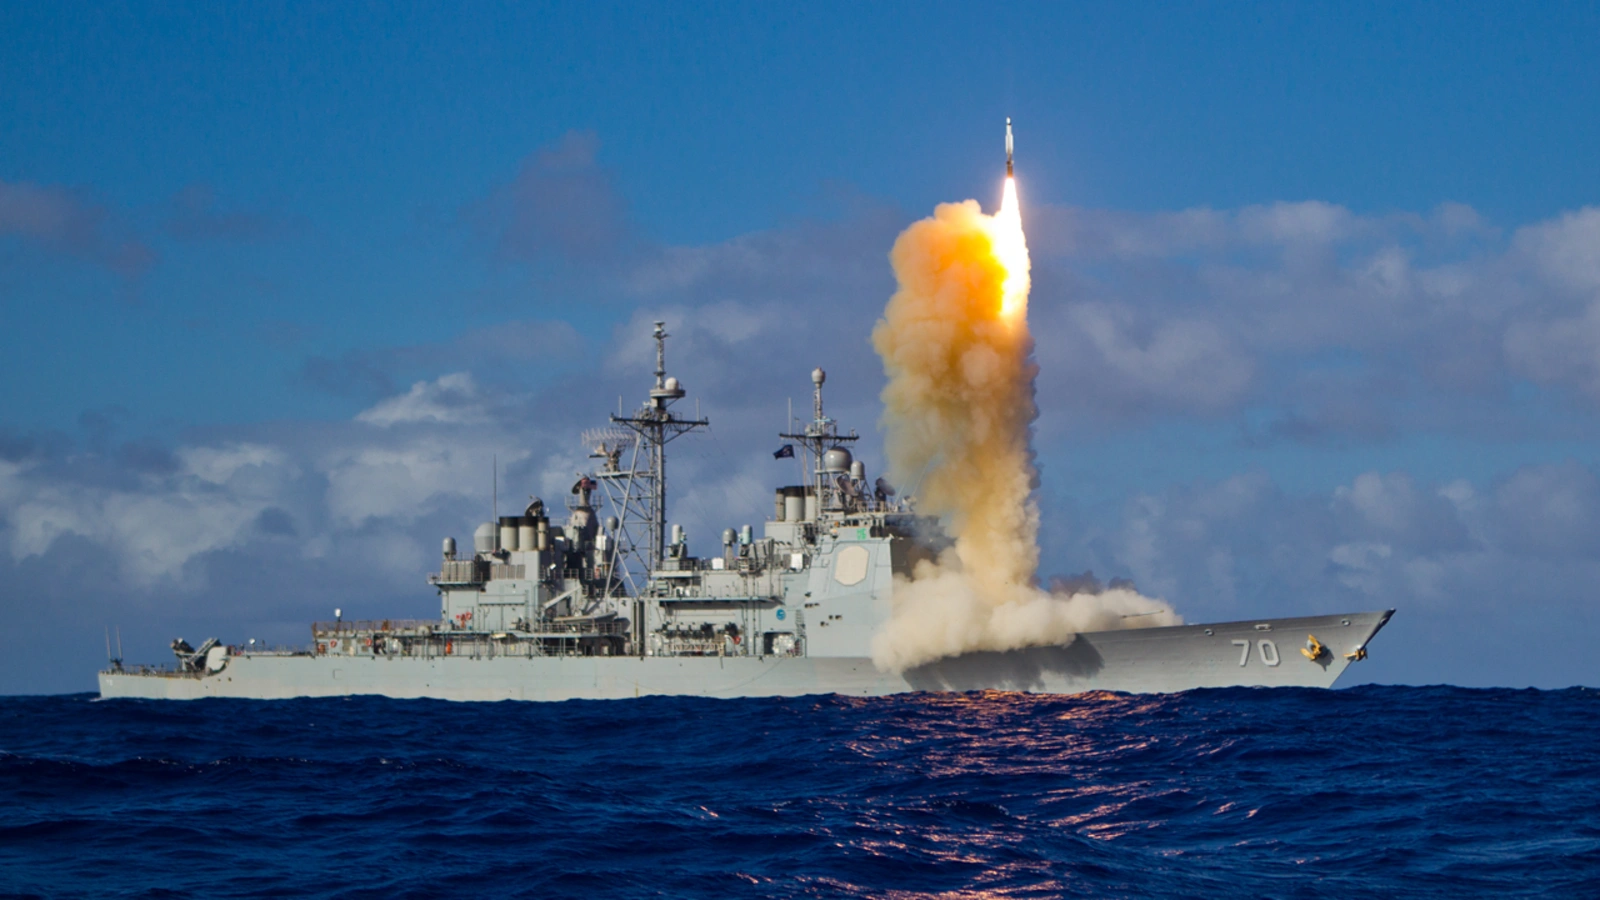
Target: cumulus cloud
point(1329, 322)
point(154, 526)
point(1565, 250)
point(1393, 508)
point(1548, 512)
point(398, 484)
point(450, 400)
point(411, 456)
point(1487, 579)
point(1112, 357)
point(1101, 235)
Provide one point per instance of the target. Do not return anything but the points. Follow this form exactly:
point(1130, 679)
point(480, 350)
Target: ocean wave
point(1428, 791)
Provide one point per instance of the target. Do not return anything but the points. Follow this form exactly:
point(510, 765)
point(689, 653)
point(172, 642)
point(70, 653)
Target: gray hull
point(1264, 653)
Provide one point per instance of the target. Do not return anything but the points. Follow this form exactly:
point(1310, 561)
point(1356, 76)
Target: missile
point(1008, 146)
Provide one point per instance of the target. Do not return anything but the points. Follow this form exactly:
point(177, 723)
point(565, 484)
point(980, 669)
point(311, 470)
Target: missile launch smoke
point(958, 411)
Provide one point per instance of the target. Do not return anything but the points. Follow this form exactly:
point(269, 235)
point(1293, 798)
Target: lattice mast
point(655, 425)
point(628, 484)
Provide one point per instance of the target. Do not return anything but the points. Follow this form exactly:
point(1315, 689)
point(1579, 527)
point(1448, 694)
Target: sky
point(1316, 294)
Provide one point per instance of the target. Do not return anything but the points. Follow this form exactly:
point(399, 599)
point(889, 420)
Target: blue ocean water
point(1372, 791)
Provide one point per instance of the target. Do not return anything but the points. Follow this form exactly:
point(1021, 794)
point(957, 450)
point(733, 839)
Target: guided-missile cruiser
point(1009, 172)
point(612, 603)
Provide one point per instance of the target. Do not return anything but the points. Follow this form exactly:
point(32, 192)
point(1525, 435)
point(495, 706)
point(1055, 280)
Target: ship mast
point(819, 436)
point(655, 425)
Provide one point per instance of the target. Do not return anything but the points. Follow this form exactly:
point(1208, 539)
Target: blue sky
point(1316, 290)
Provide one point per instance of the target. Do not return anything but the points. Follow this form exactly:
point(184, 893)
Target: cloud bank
point(1298, 325)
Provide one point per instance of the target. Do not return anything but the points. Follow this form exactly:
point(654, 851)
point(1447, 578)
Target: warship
point(610, 603)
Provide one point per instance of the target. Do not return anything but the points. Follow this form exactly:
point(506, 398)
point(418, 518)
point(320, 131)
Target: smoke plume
point(957, 419)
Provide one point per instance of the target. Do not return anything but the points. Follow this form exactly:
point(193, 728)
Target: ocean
point(1364, 792)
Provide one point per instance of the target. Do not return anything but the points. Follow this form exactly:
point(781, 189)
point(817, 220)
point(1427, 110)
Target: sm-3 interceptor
point(611, 603)
point(1009, 172)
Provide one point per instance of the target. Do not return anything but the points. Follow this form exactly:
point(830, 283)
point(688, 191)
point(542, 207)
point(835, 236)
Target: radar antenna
point(819, 436)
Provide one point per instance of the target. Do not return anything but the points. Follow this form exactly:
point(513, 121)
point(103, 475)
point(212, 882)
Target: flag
point(784, 452)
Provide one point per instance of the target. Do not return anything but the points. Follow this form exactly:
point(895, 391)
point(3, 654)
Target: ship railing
point(758, 561)
point(264, 650)
point(678, 645)
point(374, 626)
point(460, 571)
point(147, 670)
point(579, 629)
point(756, 587)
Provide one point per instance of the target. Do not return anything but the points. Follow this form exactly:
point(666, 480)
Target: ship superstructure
point(606, 601)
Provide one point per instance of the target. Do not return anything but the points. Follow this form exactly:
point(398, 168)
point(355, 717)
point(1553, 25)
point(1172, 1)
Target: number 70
point(1267, 649)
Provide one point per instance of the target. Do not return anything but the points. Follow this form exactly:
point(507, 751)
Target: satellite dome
point(818, 376)
point(837, 460)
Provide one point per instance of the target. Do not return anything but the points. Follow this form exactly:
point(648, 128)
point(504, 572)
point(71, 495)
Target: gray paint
point(1145, 660)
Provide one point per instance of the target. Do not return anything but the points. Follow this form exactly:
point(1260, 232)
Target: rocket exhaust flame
point(958, 414)
point(1011, 249)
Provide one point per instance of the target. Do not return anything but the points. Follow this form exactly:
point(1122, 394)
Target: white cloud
point(1382, 536)
point(399, 483)
point(1306, 222)
point(1358, 565)
point(156, 527)
point(1566, 250)
point(1208, 312)
point(221, 464)
point(1174, 364)
point(1561, 350)
point(1550, 511)
point(452, 399)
